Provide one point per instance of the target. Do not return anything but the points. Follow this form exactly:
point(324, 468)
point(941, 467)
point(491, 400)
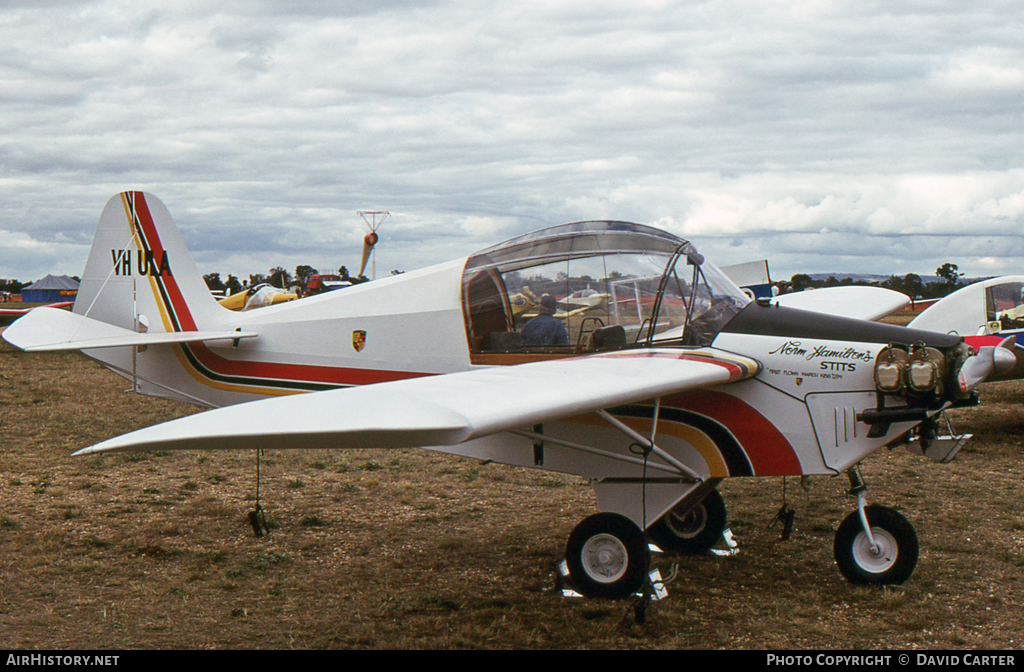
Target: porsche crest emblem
point(358, 340)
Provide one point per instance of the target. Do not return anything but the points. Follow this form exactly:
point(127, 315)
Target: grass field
point(411, 549)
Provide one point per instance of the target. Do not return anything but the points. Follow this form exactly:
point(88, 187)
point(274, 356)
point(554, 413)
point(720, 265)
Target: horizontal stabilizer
point(50, 329)
point(444, 409)
point(862, 302)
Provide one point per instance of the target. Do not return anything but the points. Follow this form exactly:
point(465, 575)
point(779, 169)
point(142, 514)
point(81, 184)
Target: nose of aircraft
point(989, 360)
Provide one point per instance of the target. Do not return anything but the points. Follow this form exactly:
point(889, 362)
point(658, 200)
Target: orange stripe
point(768, 450)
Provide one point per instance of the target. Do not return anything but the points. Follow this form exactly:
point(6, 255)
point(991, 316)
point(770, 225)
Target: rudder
point(140, 275)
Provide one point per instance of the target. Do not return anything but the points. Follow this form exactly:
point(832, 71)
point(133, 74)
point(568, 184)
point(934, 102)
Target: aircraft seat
point(611, 337)
point(505, 341)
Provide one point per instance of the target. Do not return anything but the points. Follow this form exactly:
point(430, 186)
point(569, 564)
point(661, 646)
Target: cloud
point(808, 133)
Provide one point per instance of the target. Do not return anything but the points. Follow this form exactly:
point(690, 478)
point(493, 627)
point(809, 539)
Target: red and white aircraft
point(985, 313)
point(674, 382)
point(8, 315)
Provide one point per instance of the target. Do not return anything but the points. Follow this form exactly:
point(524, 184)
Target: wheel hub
point(689, 524)
point(605, 558)
point(880, 558)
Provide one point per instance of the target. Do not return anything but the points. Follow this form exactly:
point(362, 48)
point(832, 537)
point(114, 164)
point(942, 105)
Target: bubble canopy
point(611, 285)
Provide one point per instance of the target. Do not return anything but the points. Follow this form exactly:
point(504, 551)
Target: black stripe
point(272, 383)
point(144, 243)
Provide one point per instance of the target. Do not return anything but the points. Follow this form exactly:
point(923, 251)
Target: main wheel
point(892, 562)
point(691, 531)
point(607, 556)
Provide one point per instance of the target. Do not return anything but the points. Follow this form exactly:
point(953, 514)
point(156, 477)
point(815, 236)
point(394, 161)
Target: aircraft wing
point(46, 329)
point(859, 301)
point(444, 409)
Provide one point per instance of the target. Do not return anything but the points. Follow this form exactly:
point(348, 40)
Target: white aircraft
point(677, 381)
point(8, 315)
point(985, 313)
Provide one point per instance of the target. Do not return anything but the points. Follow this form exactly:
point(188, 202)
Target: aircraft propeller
point(990, 359)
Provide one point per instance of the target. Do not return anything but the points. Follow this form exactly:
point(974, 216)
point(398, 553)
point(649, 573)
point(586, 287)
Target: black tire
point(607, 556)
point(692, 531)
point(897, 541)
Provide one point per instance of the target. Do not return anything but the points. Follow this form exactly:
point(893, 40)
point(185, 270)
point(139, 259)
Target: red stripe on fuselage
point(769, 452)
point(331, 375)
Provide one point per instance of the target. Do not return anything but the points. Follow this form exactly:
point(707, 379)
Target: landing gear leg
point(874, 544)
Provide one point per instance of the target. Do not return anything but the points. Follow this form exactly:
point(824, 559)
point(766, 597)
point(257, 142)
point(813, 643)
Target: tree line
point(278, 277)
point(910, 284)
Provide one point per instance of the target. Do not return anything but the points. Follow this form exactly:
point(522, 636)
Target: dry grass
point(410, 549)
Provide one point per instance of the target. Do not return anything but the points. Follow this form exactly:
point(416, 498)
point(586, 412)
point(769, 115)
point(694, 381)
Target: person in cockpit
point(545, 329)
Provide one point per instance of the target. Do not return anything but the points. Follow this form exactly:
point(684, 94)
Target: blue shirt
point(545, 330)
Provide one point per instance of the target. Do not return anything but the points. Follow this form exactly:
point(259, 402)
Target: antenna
point(370, 239)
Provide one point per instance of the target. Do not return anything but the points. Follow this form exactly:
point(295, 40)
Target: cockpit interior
point(593, 286)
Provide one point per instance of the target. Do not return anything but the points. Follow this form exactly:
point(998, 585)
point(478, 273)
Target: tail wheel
point(894, 556)
point(607, 556)
point(691, 531)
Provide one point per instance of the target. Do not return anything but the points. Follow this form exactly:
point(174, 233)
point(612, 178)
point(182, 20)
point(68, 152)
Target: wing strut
point(534, 436)
point(674, 465)
point(647, 443)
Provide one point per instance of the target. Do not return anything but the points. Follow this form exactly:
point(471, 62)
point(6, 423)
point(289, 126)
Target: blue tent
point(51, 289)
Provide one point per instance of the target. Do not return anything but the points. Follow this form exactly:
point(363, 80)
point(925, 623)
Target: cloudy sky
point(847, 136)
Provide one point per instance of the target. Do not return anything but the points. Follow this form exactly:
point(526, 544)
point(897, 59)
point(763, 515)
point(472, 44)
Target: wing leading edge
point(444, 409)
point(863, 302)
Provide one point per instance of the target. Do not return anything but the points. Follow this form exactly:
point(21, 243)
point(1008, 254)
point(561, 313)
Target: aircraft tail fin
point(141, 303)
point(140, 275)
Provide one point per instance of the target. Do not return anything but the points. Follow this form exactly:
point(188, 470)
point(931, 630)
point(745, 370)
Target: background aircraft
point(8, 315)
point(985, 313)
point(260, 296)
point(675, 382)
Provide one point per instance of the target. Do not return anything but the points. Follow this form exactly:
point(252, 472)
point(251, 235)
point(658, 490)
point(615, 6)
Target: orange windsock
point(369, 240)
